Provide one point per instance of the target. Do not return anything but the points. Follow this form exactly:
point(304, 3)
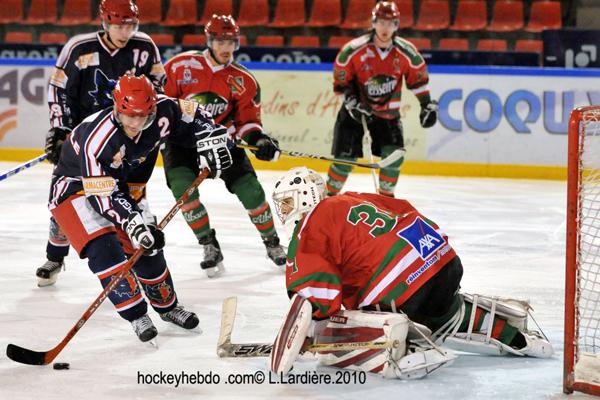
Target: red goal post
point(582, 278)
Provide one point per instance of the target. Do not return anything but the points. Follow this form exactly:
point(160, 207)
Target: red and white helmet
point(385, 10)
point(222, 27)
point(135, 96)
point(118, 12)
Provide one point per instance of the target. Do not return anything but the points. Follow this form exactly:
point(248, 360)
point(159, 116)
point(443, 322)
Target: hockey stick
point(227, 349)
point(392, 158)
point(367, 146)
point(23, 166)
point(26, 356)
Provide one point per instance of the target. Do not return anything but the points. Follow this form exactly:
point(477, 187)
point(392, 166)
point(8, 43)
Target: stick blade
point(26, 356)
point(227, 321)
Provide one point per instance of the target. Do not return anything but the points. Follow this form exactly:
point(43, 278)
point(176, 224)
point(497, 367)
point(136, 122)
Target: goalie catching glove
point(268, 147)
point(141, 235)
point(428, 114)
point(54, 141)
point(213, 151)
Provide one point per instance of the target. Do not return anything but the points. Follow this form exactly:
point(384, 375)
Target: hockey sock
point(336, 177)
point(155, 278)
point(193, 211)
point(388, 177)
point(252, 196)
point(501, 330)
point(105, 259)
point(58, 244)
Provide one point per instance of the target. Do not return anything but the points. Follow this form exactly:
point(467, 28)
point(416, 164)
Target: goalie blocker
point(404, 361)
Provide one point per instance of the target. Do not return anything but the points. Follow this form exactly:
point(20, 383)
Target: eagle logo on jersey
point(102, 95)
point(236, 83)
point(213, 103)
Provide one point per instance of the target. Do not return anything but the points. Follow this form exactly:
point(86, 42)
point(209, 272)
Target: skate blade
point(153, 343)
point(216, 271)
point(43, 282)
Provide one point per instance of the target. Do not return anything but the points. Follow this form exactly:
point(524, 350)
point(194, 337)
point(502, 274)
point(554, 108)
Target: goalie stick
point(23, 166)
point(389, 160)
point(225, 348)
point(31, 357)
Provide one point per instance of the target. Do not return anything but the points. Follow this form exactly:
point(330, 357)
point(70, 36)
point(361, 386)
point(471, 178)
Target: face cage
point(105, 26)
point(375, 19)
point(211, 38)
point(279, 200)
point(149, 119)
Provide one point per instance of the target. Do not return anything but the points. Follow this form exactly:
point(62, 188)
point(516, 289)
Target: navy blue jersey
point(98, 159)
point(87, 71)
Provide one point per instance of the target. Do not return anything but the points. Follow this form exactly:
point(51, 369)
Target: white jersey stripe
point(94, 145)
point(318, 293)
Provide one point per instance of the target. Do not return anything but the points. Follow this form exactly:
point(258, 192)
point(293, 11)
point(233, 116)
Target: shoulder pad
point(409, 50)
point(351, 47)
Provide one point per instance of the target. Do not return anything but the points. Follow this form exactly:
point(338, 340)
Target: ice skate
point(144, 328)
point(275, 251)
point(181, 317)
point(212, 264)
point(48, 273)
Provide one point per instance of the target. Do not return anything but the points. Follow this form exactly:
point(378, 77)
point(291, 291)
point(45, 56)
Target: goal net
point(582, 294)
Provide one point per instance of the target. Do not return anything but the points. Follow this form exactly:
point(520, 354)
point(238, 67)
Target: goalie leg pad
point(291, 336)
point(418, 363)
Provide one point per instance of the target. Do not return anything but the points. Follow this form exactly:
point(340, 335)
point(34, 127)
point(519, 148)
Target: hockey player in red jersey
point(368, 73)
point(361, 251)
point(85, 74)
point(232, 95)
point(94, 198)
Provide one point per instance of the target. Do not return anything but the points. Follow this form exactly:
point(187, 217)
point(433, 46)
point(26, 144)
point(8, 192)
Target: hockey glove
point(213, 151)
point(159, 241)
point(54, 141)
point(357, 109)
point(428, 115)
point(268, 147)
point(139, 233)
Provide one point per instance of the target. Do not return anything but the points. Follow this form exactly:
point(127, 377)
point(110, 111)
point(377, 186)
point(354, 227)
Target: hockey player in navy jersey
point(84, 76)
point(104, 218)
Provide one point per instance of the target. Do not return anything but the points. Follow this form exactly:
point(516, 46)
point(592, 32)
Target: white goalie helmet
point(296, 193)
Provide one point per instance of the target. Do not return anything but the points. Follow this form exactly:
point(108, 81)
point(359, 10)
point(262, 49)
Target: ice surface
point(508, 233)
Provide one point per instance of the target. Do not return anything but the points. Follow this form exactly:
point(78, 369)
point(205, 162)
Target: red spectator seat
point(544, 15)
point(18, 37)
point(269, 41)
point(181, 12)
point(253, 13)
point(433, 15)
point(11, 11)
point(305, 41)
point(407, 19)
point(507, 16)
point(492, 45)
point(243, 40)
point(325, 13)
point(150, 11)
point(190, 39)
point(338, 41)
point(288, 14)
point(453, 44)
point(358, 14)
point(219, 7)
point(76, 12)
point(471, 15)
point(163, 39)
point(421, 43)
point(529, 45)
point(41, 12)
point(52, 38)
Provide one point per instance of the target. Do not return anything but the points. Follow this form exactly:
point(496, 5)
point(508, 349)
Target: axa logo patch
point(422, 237)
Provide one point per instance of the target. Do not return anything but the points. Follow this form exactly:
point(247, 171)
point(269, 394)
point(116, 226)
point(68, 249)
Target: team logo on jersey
point(236, 83)
point(367, 54)
point(381, 85)
point(59, 78)
point(102, 95)
point(117, 160)
point(213, 103)
point(127, 288)
point(422, 237)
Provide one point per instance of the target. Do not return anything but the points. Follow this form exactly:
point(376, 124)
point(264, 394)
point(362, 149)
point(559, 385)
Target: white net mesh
point(588, 254)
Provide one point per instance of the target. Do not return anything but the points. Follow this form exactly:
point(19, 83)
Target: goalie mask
point(222, 27)
point(296, 193)
point(135, 96)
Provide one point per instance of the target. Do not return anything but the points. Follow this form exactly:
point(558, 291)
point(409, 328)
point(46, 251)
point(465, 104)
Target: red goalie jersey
point(376, 75)
point(229, 92)
point(359, 250)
